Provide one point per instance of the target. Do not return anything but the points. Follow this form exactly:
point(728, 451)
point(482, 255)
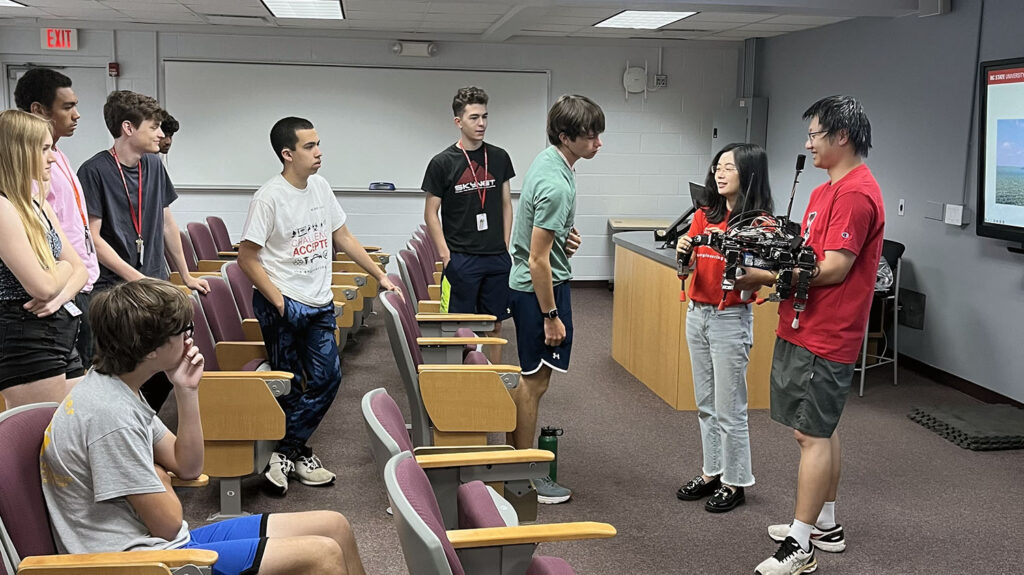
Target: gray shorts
point(808, 392)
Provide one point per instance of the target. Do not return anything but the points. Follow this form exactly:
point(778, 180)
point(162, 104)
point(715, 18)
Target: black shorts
point(526, 313)
point(476, 284)
point(808, 392)
point(34, 348)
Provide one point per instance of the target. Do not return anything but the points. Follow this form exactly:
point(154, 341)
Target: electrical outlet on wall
point(661, 80)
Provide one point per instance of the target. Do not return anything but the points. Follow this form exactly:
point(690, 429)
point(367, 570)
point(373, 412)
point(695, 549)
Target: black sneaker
point(725, 499)
point(697, 488)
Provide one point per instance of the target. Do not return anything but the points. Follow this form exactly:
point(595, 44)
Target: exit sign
point(59, 38)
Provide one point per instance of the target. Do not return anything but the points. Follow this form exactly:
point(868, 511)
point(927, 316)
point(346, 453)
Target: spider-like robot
point(758, 239)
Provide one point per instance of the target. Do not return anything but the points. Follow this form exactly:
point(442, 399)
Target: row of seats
point(457, 501)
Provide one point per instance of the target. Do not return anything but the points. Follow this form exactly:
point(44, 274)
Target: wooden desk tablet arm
point(126, 562)
point(279, 382)
point(450, 323)
point(208, 266)
point(474, 458)
point(233, 355)
point(429, 306)
point(434, 292)
point(526, 534)
point(202, 481)
point(509, 374)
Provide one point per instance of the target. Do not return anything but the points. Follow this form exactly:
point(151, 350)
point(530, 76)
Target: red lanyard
point(137, 222)
point(66, 170)
point(481, 191)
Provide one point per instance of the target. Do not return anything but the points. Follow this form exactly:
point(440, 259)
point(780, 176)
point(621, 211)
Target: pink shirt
point(64, 187)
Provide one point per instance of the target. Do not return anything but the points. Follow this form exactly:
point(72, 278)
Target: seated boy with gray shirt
point(106, 457)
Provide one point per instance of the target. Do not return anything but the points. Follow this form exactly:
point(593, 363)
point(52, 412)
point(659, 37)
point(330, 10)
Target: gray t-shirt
point(98, 449)
point(107, 199)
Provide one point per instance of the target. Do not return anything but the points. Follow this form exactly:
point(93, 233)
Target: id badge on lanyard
point(481, 192)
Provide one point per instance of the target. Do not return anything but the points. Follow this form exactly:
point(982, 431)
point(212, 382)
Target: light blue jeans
point(719, 343)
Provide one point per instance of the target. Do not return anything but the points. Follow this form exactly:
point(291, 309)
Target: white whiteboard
point(374, 124)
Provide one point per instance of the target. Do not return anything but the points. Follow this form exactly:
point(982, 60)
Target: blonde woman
point(38, 277)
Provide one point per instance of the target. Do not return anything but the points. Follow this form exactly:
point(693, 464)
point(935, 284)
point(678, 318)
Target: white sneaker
point(829, 540)
point(790, 559)
point(309, 471)
point(278, 470)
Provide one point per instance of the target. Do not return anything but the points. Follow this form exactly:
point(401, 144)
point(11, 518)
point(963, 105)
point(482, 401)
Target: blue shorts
point(476, 284)
point(239, 543)
point(526, 313)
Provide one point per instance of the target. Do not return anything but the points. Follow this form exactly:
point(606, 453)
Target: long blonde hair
point(22, 136)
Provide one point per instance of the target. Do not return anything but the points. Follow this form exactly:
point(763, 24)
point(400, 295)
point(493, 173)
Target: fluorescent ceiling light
point(642, 19)
point(11, 4)
point(308, 9)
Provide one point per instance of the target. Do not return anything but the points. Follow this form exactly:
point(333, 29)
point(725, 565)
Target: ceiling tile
point(738, 17)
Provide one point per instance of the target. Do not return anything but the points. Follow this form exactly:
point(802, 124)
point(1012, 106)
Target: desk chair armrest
point(103, 562)
point(344, 292)
point(484, 458)
point(434, 291)
point(429, 306)
point(438, 266)
point(175, 277)
point(437, 278)
point(543, 533)
point(211, 266)
point(251, 330)
point(471, 368)
point(349, 278)
point(229, 254)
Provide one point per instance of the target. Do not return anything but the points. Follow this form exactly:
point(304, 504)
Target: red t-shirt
point(709, 267)
point(845, 215)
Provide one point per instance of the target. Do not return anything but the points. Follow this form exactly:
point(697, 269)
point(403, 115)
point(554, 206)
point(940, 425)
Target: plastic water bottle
point(549, 440)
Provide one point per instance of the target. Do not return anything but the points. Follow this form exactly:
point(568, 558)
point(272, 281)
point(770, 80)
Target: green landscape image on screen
point(1010, 162)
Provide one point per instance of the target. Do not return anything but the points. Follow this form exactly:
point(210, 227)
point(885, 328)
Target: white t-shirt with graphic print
point(295, 229)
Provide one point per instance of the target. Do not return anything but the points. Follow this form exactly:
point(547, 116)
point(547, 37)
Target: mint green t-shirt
point(548, 201)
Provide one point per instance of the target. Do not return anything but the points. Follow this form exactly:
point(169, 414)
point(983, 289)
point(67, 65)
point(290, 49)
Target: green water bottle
point(549, 440)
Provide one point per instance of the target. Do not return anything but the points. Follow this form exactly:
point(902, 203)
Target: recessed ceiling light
point(308, 9)
point(642, 19)
point(11, 4)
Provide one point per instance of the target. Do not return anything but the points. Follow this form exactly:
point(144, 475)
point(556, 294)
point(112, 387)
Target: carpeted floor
point(910, 501)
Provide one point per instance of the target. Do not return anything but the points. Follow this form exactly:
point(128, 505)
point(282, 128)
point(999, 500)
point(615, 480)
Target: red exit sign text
point(58, 38)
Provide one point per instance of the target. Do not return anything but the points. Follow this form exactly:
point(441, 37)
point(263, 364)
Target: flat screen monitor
point(1001, 151)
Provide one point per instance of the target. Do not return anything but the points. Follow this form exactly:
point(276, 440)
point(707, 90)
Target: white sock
point(827, 517)
point(802, 533)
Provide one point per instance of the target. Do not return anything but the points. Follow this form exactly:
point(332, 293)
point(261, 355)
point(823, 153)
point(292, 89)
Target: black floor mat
point(975, 427)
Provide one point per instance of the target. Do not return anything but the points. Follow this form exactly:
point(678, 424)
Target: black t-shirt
point(106, 199)
point(449, 178)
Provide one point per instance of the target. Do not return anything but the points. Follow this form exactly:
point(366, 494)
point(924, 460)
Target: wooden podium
point(649, 323)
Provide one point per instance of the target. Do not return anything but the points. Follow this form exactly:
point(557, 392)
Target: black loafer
point(725, 499)
point(697, 488)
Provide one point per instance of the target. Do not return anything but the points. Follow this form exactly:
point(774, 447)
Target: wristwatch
point(552, 314)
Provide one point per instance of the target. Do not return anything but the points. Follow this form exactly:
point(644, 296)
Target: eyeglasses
point(188, 332)
point(727, 168)
point(811, 135)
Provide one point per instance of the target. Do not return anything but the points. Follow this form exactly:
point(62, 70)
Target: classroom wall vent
point(227, 20)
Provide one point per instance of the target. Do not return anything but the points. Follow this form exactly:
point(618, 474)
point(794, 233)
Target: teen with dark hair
point(812, 369)
point(169, 127)
point(288, 242)
point(129, 196)
point(468, 182)
point(106, 457)
point(719, 340)
point(48, 93)
point(39, 274)
point(543, 240)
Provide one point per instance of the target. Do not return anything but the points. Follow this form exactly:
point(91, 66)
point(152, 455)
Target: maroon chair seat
point(221, 312)
point(202, 337)
point(190, 254)
point(241, 288)
point(22, 507)
point(419, 281)
point(221, 238)
point(425, 259)
point(202, 241)
point(390, 417)
point(415, 486)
